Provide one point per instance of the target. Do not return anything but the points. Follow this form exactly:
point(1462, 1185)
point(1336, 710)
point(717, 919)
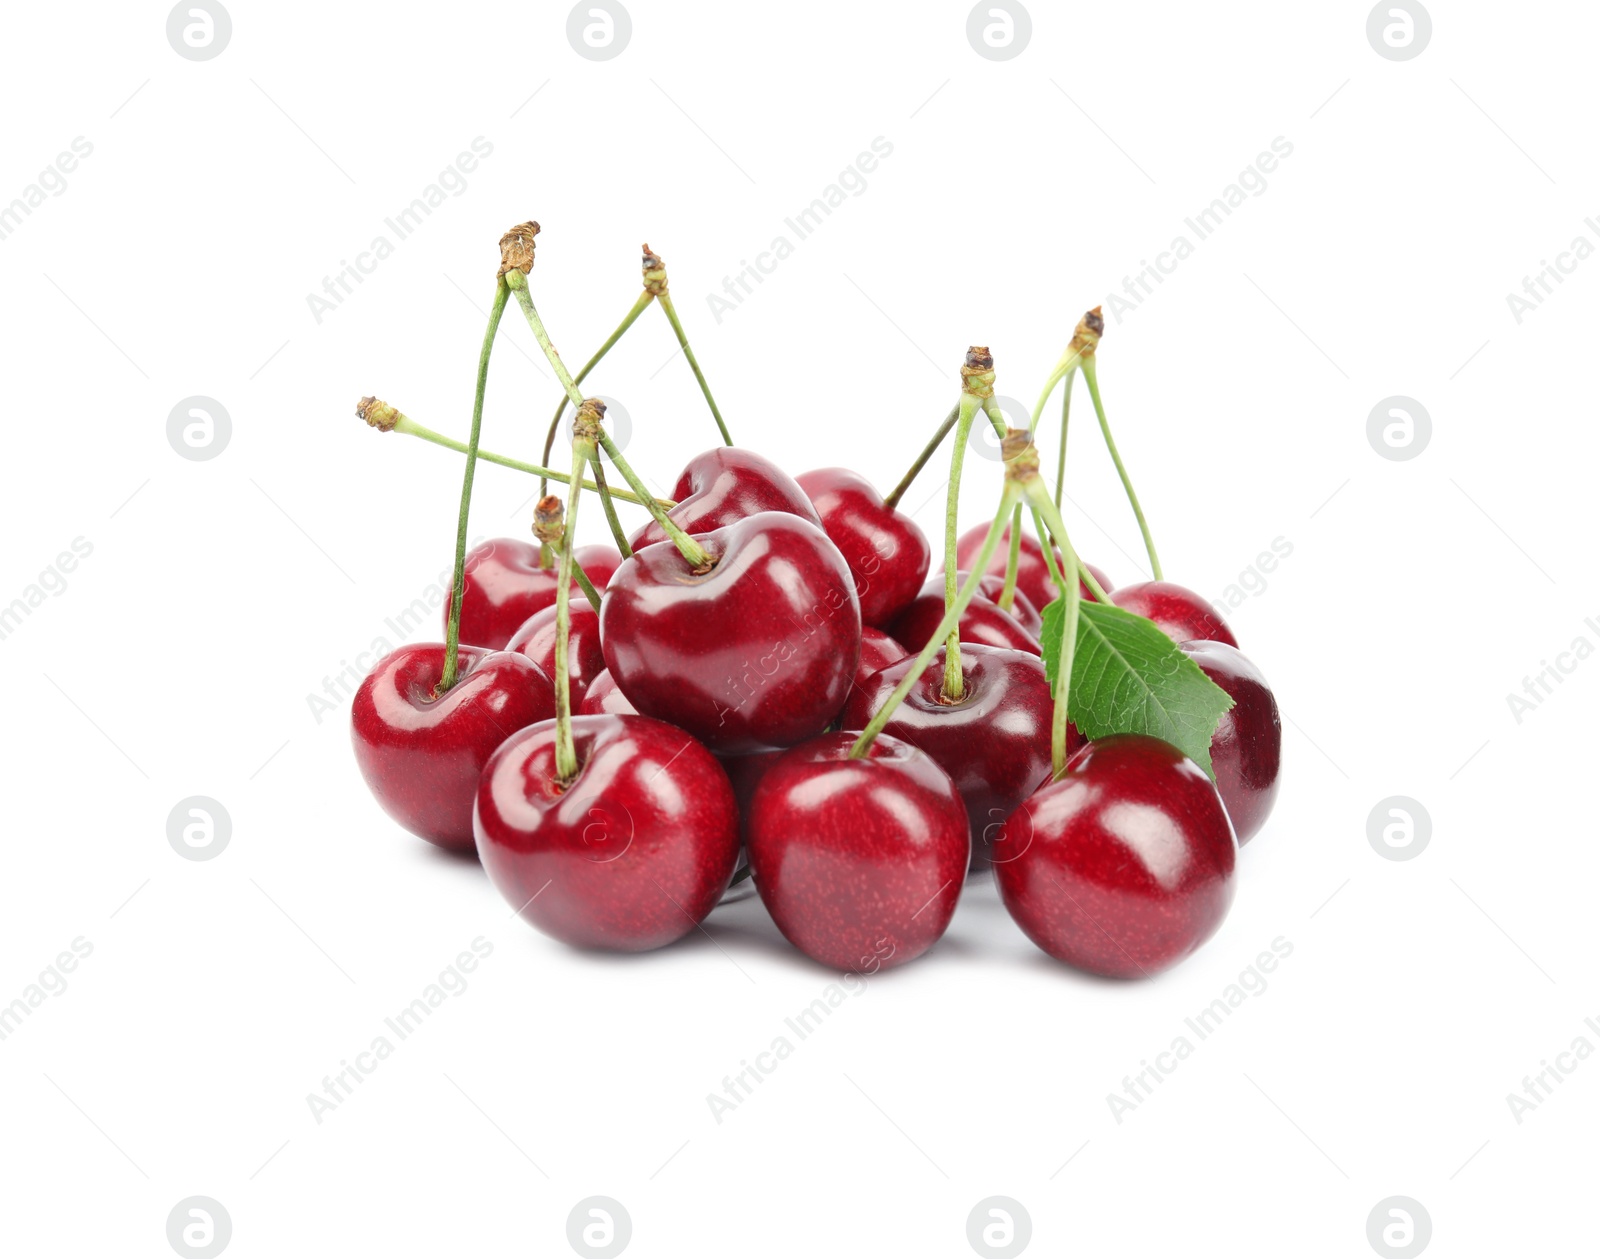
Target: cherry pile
point(763, 680)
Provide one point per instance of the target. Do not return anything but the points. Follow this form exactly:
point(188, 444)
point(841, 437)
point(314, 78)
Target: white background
point(220, 594)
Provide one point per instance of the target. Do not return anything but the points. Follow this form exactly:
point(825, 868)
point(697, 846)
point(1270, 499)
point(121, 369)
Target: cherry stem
point(645, 298)
point(954, 684)
point(585, 585)
point(566, 753)
point(1105, 429)
point(892, 499)
point(687, 546)
point(1061, 448)
point(1047, 544)
point(1039, 499)
point(609, 508)
point(952, 618)
point(519, 285)
point(683, 341)
point(452, 635)
point(1008, 589)
point(396, 422)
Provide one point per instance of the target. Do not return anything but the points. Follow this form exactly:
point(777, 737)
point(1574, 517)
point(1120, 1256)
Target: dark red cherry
point(537, 641)
point(994, 741)
point(724, 485)
point(982, 623)
point(877, 651)
point(887, 551)
point(631, 854)
point(1022, 609)
point(1179, 613)
point(420, 755)
point(504, 586)
point(1122, 866)
point(859, 862)
point(757, 652)
point(1246, 746)
point(604, 697)
point(1033, 574)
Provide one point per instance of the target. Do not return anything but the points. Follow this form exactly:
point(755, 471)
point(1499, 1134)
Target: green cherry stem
point(582, 453)
point(386, 419)
point(687, 546)
point(954, 685)
point(655, 283)
point(518, 283)
point(645, 298)
point(1089, 378)
point(892, 499)
point(608, 507)
point(1061, 448)
point(1039, 499)
point(952, 618)
point(1008, 589)
point(452, 634)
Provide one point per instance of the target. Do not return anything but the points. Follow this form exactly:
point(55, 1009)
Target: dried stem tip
point(549, 520)
point(655, 273)
point(1087, 334)
point(586, 427)
point(516, 248)
point(977, 373)
point(378, 413)
point(1020, 454)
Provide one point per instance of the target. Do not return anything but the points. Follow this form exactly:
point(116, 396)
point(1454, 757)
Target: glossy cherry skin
point(726, 484)
point(604, 697)
point(859, 862)
point(504, 586)
point(1247, 745)
point(994, 741)
point(1122, 866)
point(758, 652)
point(982, 623)
point(1178, 612)
point(629, 855)
point(421, 756)
point(887, 551)
point(745, 773)
point(1033, 574)
point(1022, 610)
point(537, 641)
point(878, 651)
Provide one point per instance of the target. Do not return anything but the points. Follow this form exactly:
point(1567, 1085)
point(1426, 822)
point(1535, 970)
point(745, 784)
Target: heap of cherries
point(762, 681)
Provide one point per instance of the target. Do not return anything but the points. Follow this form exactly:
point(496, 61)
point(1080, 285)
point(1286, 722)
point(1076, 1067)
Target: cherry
point(982, 622)
point(505, 586)
point(1124, 864)
point(994, 741)
point(421, 755)
point(604, 697)
point(1033, 574)
point(887, 551)
point(537, 641)
point(724, 485)
point(630, 854)
point(745, 773)
point(1023, 611)
point(1245, 748)
point(859, 861)
point(878, 650)
point(757, 651)
point(1178, 612)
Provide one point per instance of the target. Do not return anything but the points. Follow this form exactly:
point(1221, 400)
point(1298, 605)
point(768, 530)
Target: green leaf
point(1130, 678)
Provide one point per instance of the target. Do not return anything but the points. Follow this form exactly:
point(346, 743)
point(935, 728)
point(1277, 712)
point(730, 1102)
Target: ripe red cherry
point(878, 650)
point(504, 586)
point(982, 623)
point(757, 652)
point(725, 485)
point(604, 697)
point(887, 551)
point(859, 862)
point(421, 756)
point(631, 854)
point(1022, 610)
point(537, 641)
point(1179, 613)
point(1246, 746)
point(994, 741)
point(1033, 574)
point(1125, 864)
